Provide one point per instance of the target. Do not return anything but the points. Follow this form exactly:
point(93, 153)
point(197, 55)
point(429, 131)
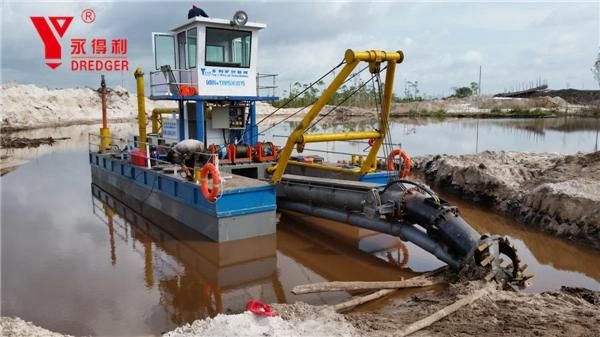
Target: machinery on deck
point(216, 92)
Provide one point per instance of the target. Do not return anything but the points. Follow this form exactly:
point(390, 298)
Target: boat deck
point(231, 181)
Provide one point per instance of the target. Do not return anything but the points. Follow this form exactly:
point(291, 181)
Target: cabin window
point(192, 48)
point(228, 48)
point(164, 51)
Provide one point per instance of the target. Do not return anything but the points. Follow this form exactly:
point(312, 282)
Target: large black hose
point(403, 231)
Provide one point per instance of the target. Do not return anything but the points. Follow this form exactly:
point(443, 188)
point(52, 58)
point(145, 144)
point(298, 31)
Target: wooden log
point(362, 299)
point(383, 292)
point(436, 316)
point(349, 286)
point(423, 280)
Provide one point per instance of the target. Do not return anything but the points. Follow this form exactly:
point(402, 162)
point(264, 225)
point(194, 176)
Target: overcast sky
point(444, 43)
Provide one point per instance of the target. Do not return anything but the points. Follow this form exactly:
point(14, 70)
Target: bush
point(440, 113)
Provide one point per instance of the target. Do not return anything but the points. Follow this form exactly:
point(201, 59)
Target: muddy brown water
point(77, 261)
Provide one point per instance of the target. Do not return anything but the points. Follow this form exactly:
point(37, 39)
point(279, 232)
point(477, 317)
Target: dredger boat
point(204, 165)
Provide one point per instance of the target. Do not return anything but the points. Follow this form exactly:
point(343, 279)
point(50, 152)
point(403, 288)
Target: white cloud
point(472, 56)
point(444, 43)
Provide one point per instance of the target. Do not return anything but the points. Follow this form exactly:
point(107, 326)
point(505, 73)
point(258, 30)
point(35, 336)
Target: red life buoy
point(405, 162)
point(210, 193)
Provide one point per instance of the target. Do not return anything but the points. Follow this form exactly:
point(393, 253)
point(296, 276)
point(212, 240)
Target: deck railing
point(266, 83)
point(167, 82)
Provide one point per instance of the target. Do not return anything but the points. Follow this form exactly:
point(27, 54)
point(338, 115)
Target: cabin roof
point(216, 21)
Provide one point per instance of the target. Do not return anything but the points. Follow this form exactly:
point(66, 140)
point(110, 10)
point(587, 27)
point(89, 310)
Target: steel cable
point(313, 102)
point(302, 92)
point(342, 102)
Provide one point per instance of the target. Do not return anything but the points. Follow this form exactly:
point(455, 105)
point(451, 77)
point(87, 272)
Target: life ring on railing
point(405, 162)
point(210, 193)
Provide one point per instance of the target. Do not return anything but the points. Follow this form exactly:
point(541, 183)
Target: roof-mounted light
point(239, 18)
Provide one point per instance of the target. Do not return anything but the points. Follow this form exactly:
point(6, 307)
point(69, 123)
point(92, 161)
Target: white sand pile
point(314, 323)
point(28, 106)
point(16, 327)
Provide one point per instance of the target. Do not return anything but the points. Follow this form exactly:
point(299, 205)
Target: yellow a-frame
point(298, 136)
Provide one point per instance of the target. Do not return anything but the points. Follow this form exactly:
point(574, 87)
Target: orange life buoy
point(210, 193)
point(405, 162)
point(187, 90)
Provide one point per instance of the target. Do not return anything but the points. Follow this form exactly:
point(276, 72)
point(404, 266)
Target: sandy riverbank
point(470, 107)
point(568, 312)
point(16, 327)
point(553, 192)
point(27, 106)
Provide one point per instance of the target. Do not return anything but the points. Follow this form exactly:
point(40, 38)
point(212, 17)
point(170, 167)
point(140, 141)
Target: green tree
point(474, 88)
point(462, 92)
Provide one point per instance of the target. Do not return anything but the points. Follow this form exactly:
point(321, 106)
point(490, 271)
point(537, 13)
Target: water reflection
point(193, 274)
point(199, 278)
point(463, 136)
point(554, 261)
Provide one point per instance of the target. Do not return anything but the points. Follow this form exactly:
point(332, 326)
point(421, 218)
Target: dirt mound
point(341, 113)
point(500, 313)
point(29, 106)
point(16, 327)
point(572, 96)
point(557, 193)
point(477, 105)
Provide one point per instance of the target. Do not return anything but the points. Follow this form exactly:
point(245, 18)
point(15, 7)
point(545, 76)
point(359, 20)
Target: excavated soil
point(21, 142)
point(16, 327)
point(569, 312)
point(557, 193)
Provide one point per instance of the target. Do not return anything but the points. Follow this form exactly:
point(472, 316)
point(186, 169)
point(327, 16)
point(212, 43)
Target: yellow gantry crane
point(298, 137)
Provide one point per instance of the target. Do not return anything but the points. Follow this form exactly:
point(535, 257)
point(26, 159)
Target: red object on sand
point(259, 308)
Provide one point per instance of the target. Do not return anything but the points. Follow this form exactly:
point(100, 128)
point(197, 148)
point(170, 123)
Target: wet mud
point(19, 142)
point(556, 193)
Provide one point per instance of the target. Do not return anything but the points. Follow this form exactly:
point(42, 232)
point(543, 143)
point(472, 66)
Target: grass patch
point(439, 113)
point(519, 111)
point(592, 111)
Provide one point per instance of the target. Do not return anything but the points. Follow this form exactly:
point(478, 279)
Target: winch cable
point(306, 106)
point(342, 102)
point(290, 100)
point(302, 92)
point(388, 147)
point(378, 100)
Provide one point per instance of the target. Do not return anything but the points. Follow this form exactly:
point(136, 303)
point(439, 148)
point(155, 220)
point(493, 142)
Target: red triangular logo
point(53, 65)
point(60, 23)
